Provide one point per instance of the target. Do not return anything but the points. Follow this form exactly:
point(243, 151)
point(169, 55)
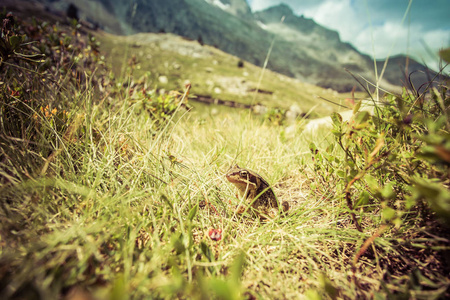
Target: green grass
point(122, 216)
point(116, 198)
point(209, 69)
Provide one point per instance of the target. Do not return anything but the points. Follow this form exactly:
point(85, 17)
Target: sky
point(376, 28)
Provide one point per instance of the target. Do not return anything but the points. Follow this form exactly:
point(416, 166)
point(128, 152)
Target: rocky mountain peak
point(235, 7)
point(275, 13)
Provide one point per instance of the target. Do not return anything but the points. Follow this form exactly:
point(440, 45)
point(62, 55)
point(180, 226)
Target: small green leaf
point(445, 54)
point(330, 148)
point(361, 126)
point(388, 191)
point(206, 251)
point(336, 118)
point(361, 117)
point(165, 199)
point(437, 195)
point(312, 147)
point(337, 133)
point(220, 288)
point(388, 213)
point(15, 41)
point(363, 199)
point(340, 173)
point(312, 294)
point(118, 290)
point(397, 222)
point(177, 243)
point(410, 201)
point(357, 107)
point(192, 212)
point(353, 173)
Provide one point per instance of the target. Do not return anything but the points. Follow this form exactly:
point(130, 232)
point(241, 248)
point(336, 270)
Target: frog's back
point(265, 194)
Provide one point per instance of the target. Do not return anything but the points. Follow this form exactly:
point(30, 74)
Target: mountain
point(235, 7)
point(302, 49)
point(311, 52)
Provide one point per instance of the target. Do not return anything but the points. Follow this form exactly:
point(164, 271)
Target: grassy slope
point(208, 68)
point(119, 221)
point(108, 221)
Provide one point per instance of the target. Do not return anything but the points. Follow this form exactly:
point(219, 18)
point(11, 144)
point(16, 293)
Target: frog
point(257, 192)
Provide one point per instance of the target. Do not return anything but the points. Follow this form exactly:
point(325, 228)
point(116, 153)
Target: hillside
point(303, 49)
point(169, 62)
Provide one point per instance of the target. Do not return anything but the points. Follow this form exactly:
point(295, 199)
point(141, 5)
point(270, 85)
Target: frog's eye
point(243, 173)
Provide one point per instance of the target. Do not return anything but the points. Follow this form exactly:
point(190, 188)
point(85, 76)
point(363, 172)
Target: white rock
point(295, 109)
point(259, 109)
point(163, 79)
point(289, 131)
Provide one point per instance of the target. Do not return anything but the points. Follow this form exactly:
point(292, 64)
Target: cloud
point(386, 39)
point(363, 23)
point(338, 16)
point(431, 40)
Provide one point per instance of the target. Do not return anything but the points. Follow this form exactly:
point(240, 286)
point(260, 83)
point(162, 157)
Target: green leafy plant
point(275, 116)
point(391, 168)
point(12, 44)
point(388, 156)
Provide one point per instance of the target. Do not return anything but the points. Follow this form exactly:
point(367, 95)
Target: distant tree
point(72, 12)
point(240, 63)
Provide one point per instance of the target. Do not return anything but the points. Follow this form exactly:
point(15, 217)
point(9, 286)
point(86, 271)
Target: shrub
point(394, 159)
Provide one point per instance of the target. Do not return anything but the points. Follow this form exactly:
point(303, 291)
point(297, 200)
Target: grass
point(126, 218)
point(211, 72)
point(124, 196)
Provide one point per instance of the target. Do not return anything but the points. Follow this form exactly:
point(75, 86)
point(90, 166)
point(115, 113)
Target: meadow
point(112, 188)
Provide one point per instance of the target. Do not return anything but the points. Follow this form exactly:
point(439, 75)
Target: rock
point(293, 112)
point(289, 131)
point(163, 79)
point(259, 109)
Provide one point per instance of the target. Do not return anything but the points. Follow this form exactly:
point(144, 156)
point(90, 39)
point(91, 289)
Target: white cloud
point(352, 20)
point(338, 16)
point(388, 39)
point(433, 40)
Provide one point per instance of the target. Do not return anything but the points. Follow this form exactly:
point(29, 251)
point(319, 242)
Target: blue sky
point(375, 27)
